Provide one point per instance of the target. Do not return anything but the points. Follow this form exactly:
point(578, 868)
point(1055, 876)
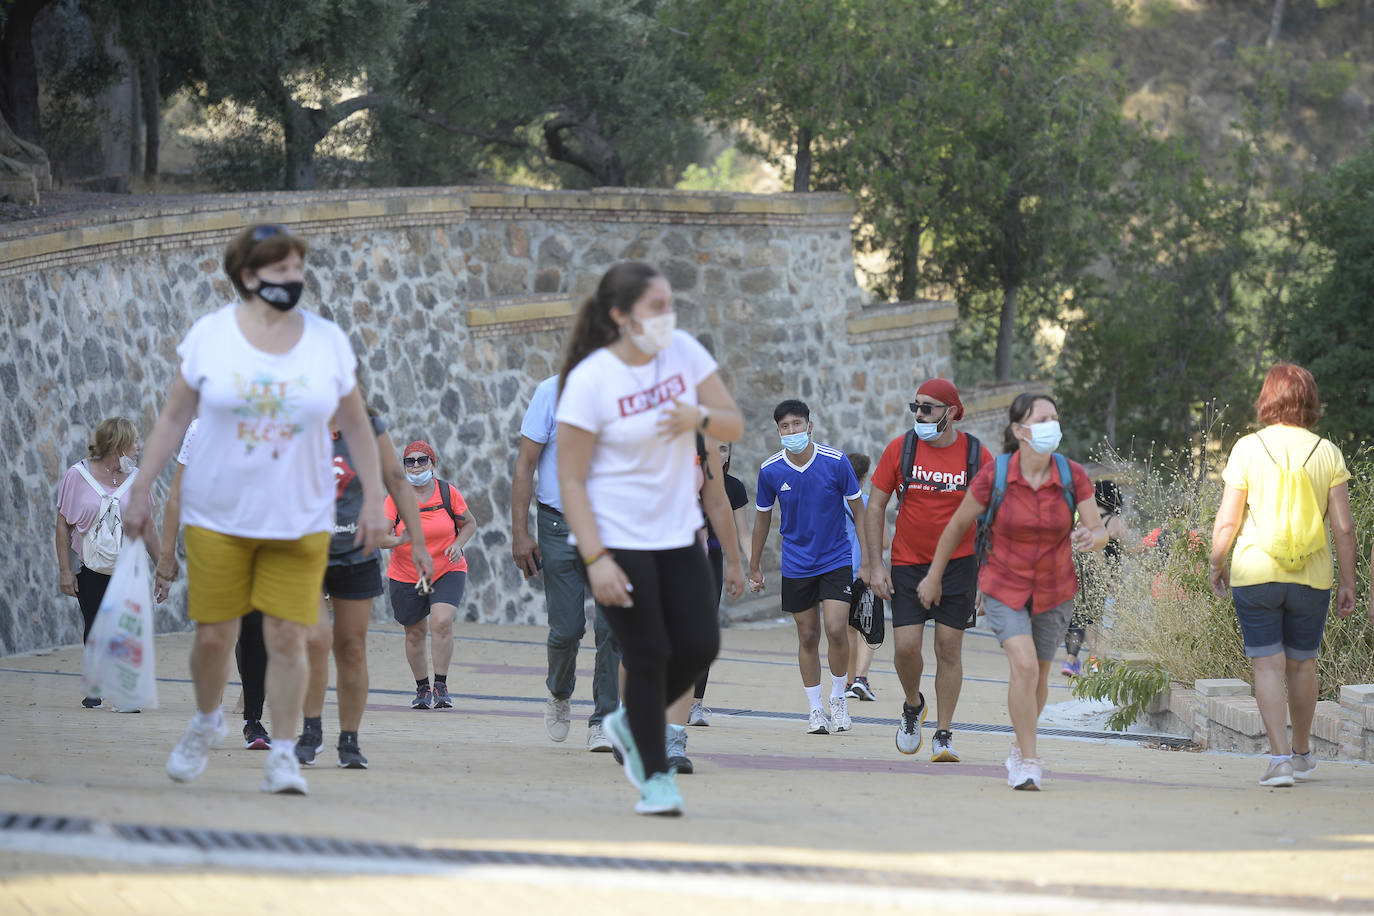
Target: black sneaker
point(92, 702)
point(310, 743)
point(255, 737)
point(423, 699)
point(441, 697)
point(350, 758)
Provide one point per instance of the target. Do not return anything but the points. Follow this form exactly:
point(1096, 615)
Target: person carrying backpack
point(420, 604)
point(1024, 504)
point(92, 498)
point(929, 468)
point(1284, 486)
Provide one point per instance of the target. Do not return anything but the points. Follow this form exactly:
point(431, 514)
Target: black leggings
point(90, 591)
point(667, 638)
point(717, 559)
point(251, 654)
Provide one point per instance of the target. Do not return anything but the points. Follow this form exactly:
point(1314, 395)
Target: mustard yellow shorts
point(228, 576)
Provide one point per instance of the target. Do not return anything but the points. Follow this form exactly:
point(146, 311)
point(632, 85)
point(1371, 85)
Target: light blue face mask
point(421, 478)
point(796, 442)
point(1045, 436)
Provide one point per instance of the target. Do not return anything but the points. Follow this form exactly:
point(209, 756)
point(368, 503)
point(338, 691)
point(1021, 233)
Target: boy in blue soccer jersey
point(811, 482)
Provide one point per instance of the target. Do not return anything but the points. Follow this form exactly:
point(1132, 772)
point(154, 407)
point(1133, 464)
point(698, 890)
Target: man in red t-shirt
point(934, 487)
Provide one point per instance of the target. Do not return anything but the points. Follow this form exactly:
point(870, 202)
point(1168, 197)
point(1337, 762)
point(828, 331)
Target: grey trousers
point(565, 594)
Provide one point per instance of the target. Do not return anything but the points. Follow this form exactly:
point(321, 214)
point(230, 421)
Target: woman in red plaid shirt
point(1027, 581)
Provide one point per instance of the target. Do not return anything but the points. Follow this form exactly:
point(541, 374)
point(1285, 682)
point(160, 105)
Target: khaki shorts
point(228, 576)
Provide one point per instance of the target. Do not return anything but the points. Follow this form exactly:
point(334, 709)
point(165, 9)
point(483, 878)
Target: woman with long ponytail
point(634, 392)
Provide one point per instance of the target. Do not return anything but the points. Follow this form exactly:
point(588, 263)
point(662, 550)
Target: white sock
point(813, 696)
point(677, 729)
point(284, 746)
point(838, 685)
point(1279, 758)
point(203, 719)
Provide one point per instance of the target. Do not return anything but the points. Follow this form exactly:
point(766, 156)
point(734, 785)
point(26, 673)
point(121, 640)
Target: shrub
point(1161, 608)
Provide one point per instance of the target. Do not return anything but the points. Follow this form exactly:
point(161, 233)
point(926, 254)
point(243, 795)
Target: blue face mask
point(1045, 436)
point(796, 442)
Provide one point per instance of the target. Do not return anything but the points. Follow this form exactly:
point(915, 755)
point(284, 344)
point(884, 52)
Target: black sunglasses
point(927, 409)
point(418, 461)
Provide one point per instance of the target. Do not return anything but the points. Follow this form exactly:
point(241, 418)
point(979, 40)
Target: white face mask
point(127, 464)
point(1045, 436)
point(421, 478)
point(658, 333)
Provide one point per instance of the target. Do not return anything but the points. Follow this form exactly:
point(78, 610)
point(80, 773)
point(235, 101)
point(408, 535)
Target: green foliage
point(71, 118)
point(1129, 685)
point(1328, 79)
point(1330, 327)
point(725, 174)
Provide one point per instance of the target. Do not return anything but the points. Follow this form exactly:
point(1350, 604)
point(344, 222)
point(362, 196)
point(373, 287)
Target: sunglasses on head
point(266, 232)
point(927, 409)
point(418, 461)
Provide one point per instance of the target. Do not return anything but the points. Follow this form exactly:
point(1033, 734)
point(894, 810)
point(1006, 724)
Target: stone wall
point(457, 302)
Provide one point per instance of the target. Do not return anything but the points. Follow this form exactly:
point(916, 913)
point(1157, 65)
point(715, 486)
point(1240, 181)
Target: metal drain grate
point(289, 847)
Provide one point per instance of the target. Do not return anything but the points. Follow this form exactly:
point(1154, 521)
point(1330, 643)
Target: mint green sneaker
point(616, 728)
point(659, 795)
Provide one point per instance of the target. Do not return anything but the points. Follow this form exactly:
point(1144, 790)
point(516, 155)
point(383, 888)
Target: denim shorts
point(1046, 628)
point(1281, 617)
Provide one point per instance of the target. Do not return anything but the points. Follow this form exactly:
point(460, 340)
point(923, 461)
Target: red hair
point(1289, 396)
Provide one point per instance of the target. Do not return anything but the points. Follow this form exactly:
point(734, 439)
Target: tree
point(596, 91)
point(18, 71)
point(786, 67)
point(1330, 330)
point(305, 65)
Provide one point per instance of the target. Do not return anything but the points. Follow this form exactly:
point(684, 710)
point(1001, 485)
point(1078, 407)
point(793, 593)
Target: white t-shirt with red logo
point(639, 483)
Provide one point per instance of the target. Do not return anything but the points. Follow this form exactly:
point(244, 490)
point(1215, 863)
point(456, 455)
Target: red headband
point(943, 390)
point(419, 445)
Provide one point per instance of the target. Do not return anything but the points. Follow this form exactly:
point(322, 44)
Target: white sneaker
point(188, 758)
point(1013, 763)
point(282, 774)
point(839, 714)
point(1304, 766)
point(818, 725)
point(596, 740)
point(557, 719)
point(699, 715)
point(1028, 774)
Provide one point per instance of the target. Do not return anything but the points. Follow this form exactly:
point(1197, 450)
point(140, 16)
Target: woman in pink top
point(111, 462)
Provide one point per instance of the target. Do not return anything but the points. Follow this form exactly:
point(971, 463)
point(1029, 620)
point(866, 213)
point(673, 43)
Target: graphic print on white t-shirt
point(638, 482)
point(268, 414)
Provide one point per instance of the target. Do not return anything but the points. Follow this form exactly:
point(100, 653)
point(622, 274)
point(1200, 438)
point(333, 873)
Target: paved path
point(475, 806)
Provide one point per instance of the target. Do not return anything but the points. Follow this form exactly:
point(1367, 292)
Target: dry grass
point(1163, 608)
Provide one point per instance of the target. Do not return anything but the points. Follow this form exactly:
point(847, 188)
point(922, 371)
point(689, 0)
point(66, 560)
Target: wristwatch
point(705, 415)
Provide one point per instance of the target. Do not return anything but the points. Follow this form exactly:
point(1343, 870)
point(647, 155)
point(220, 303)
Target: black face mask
point(281, 296)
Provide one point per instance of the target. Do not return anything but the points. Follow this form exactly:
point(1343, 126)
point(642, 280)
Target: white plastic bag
point(119, 663)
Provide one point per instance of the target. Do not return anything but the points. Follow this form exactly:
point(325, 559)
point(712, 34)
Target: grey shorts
point(1047, 629)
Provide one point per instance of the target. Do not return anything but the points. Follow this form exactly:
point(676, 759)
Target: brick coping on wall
point(223, 215)
point(1222, 714)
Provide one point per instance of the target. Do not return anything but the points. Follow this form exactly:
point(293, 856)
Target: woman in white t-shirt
point(634, 391)
point(257, 503)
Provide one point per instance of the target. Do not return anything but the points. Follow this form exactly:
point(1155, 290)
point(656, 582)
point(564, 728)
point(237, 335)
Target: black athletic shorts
point(409, 607)
point(956, 608)
point(356, 582)
point(803, 594)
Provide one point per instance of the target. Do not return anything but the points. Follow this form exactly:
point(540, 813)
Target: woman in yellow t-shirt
point(1282, 610)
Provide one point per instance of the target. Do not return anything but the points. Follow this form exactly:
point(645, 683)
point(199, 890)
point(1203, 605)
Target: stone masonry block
point(1354, 696)
point(1327, 723)
point(1239, 714)
point(1220, 687)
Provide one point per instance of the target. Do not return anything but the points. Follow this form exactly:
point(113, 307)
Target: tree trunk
point(1110, 423)
point(1005, 330)
point(1275, 23)
point(300, 149)
point(152, 114)
point(19, 71)
point(136, 116)
point(911, 263)
point(801, 176)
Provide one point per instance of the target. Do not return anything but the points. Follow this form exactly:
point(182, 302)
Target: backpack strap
point(446, 497)
point(81, 466)
point(999, 490)
point(1061, 464)
point(904, 464)
point(974, 461)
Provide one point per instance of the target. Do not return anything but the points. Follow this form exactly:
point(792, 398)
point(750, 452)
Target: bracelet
point(594, 557)
point(705, 415)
